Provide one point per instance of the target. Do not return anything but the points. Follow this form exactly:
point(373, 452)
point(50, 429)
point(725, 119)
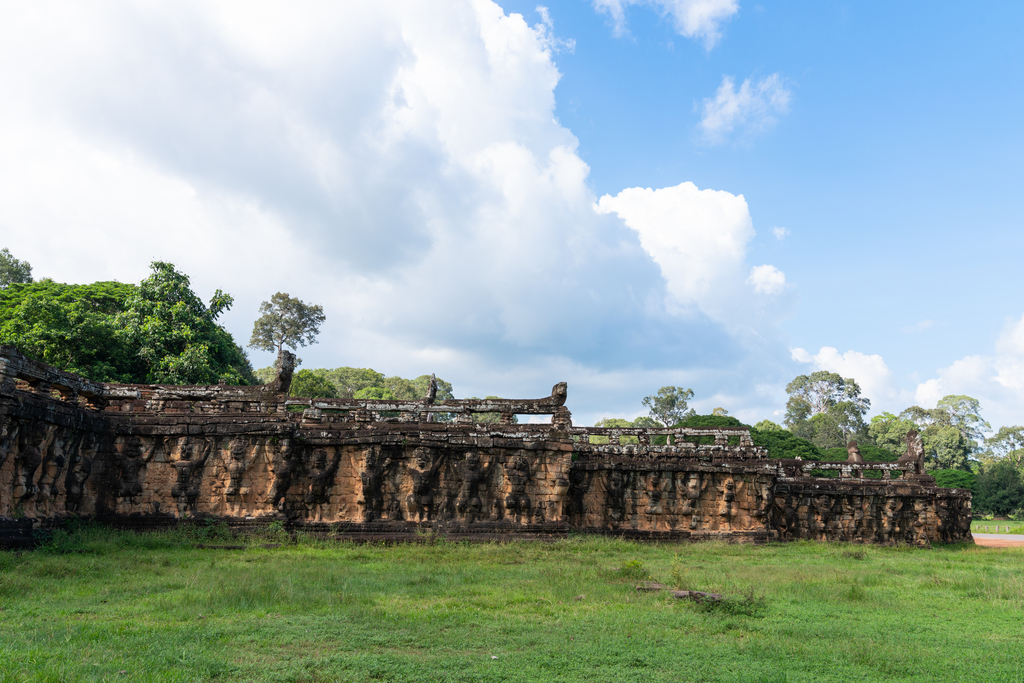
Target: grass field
point(103, 605)
point(978, 527)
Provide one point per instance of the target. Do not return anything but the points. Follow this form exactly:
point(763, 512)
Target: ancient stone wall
point(152, 455)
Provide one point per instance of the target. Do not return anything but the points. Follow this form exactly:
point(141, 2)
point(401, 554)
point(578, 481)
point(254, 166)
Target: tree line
point(825, 411)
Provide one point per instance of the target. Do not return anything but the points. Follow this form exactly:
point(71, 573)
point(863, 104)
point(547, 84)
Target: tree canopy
point(1007, 444)
point(71, 327)
point(825, 408)
point(999, 490)
point(669, 405)
point(951, 432)
point(156, 332)
point(286, 321)
point(309, 384)
point(176, 336)
point(13, 271)
point(362, 383)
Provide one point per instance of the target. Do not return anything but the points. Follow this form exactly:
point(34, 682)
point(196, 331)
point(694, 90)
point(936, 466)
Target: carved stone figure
point(727, 506)
point(422, 473)
point(560, 491)
point(891, 521)
point(130, 457)
point(472, 474)
point(372, 478)
point(579, 485)
point(79, 469)
point(191, 458)
point(616, 498)
point(695, 485)
point(765, 499)
point(64, 441)
point(236, 468)
point(822, 516)
point(914, 457)
point(517, 503)
point(282, 467)
point(321, 474)
point(28, 460)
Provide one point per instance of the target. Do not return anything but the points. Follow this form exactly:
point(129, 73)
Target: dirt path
point(999, 540)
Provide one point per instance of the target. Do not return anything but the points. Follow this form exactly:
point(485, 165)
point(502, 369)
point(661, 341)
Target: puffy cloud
point(699, 240)
point(697, 237)
point(780, 232)
point(749, 110)
point(767, 279)
point(399, 163)
point(701, 19)
point(996, 380)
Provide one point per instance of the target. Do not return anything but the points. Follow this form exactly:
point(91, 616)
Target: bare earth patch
point(997, 542)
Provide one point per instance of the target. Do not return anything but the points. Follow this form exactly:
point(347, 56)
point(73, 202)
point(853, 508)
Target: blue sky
point(503, 199)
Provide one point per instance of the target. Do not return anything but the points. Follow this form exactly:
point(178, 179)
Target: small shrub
point(680, 575)
point(749, 605)
point(635, 570)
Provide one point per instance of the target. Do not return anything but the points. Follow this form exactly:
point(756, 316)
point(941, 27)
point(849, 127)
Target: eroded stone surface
point(155, 454)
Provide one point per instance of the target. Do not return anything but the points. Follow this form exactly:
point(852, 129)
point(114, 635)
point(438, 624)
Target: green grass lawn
point(978, 527)
point(103, 605)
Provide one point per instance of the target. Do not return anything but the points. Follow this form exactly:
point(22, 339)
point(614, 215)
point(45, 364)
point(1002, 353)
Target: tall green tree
point(13, 271)
point(999, 489)
point(310, 384)
point(951, 432)
point(669, 405)
point(286, 321)
point(826, 408)
point(175, 335)
point(1008, 444)
point(889, 431)
point(348, 381)
point(156, 332)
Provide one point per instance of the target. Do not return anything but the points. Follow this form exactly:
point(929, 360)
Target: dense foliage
point(72, 327)
point(999, 490)
point(364, 383)
point(12, 270)
point(709, 422)
point(951, 432)
point(156, 332)
point(954, 479)
point(309, 384)
point(786, 445)
point(826, 409)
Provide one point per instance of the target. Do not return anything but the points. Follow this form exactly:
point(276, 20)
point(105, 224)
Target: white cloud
point(399, 163)
point(767, 279)
point(919, 326)
point(701, 19)
point(996, 380)
point(699, 240)
point(780, 232)
point(750, 109)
